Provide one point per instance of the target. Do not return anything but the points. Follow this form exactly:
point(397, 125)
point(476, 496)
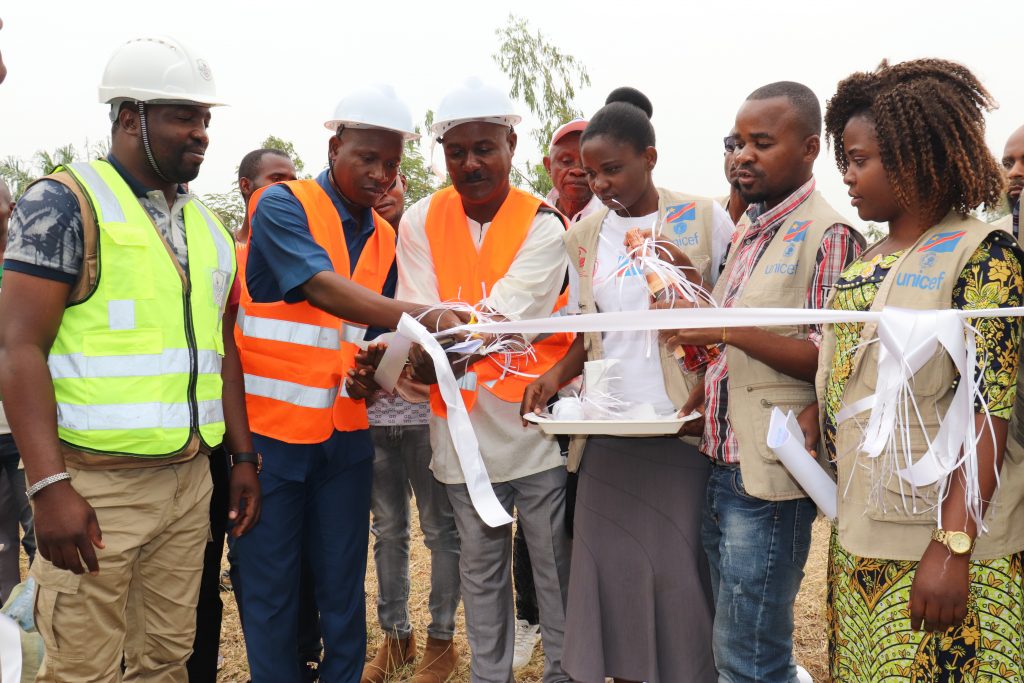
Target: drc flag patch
point(677, 216)
point(797, 232)
point(942, 243)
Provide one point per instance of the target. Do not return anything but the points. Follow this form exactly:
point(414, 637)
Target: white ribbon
point(908, 339)
point(466, 445)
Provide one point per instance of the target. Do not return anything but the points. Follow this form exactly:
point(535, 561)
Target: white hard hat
point(473, 101)
point(160, 70)
point(373, 106)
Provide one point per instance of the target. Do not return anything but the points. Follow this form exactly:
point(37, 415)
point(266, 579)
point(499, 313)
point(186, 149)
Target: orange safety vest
point(463, 274)
point(295, 356)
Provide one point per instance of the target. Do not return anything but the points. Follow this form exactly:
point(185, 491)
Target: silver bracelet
point(46, 481)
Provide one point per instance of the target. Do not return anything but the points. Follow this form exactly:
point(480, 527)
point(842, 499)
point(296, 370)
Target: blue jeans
point(401, 467)
point(757, 550)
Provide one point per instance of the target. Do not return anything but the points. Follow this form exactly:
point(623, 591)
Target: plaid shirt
point(838, 249)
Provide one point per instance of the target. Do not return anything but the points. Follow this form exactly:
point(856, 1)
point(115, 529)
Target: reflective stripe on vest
point(170, 361)
point(138, 335)
point(107, 205)
point(467, 381)
point(290, 392)
point(303, 334)
point(353, 333)
point(134, 416)
point(294, 355)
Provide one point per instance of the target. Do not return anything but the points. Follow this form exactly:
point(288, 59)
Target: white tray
point(663, 427)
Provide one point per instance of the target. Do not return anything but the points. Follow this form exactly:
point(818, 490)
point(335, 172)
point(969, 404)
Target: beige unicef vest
point(881, 527)
point(685, 220)
point(780, 279)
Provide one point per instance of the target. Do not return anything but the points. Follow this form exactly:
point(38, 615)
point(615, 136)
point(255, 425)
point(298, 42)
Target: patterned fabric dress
point(870, 638)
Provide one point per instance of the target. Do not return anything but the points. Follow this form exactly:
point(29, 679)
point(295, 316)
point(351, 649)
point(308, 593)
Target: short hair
point(803, 99)
point(929, 118)
point(250, 165)
point(626, 116)
point(5, 191)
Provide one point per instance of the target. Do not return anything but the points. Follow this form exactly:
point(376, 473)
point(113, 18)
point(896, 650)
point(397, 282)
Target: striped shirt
point(838, 249)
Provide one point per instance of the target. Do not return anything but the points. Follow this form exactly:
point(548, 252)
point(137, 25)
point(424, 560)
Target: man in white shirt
point(474, 126)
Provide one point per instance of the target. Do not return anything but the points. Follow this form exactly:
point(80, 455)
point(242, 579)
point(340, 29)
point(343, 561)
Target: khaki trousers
point(155, 522)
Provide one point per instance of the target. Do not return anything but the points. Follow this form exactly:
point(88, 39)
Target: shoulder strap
point(89, 274)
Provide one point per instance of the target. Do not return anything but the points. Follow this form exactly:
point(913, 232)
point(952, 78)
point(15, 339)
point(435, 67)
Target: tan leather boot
point(440, 657)
point(394, 653)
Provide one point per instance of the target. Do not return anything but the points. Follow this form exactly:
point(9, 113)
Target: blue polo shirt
point(282, 257)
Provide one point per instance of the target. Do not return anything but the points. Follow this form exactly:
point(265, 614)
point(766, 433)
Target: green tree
point(20, 173)
point(286, 146)
point(546, 79)
point(874, 232)
point(420, 179)
point(228, 205)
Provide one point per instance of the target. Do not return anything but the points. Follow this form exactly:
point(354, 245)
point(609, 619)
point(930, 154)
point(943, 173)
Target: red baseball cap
point(574, 126)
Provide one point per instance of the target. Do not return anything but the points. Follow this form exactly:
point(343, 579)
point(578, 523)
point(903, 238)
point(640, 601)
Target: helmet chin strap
point(145, 143)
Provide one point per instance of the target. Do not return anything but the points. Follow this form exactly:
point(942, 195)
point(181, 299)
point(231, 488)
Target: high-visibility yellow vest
point(136, 364)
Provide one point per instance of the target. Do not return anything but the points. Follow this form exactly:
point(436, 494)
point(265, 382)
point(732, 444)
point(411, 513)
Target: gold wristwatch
point(958, 542)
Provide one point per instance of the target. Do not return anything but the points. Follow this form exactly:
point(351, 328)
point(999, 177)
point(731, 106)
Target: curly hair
point(929, 116)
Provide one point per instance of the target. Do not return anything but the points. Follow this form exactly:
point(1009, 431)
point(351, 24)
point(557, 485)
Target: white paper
point(786, 440)
point(393, 361)
point(461, 429)
point(10, 650)
point(465, 348)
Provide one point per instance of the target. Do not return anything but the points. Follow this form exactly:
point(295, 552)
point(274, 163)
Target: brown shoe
point(394, 653)
point(440, 658)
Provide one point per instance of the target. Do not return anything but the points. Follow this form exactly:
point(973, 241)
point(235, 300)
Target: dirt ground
point(809, 637)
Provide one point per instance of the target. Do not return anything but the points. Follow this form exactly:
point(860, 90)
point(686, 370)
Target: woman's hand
point(938, 596)
point(808, 421)
point(695, 402)
point(537, 395)
point(665, 249)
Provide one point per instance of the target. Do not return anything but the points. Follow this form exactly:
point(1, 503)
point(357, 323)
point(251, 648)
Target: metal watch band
point(46, 481)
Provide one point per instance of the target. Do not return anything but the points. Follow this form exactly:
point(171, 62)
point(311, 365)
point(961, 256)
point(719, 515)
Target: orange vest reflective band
point(295, 356)
point(463, 274)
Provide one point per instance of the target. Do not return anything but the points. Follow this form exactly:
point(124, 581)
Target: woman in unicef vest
point(637, 561)
point(909, 599)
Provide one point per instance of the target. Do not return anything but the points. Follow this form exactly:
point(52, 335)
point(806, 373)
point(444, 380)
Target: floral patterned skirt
point(870, 639)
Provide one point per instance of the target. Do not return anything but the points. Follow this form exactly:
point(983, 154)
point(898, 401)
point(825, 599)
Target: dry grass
point(810, 636)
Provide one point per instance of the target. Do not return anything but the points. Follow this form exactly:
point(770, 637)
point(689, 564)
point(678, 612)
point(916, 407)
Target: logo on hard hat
point(204, 69)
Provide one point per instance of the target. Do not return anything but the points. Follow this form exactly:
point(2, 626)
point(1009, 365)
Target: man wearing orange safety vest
point(314, 269)
point(488, 244)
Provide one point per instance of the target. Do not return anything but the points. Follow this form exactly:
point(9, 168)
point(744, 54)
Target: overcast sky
point(283, 66)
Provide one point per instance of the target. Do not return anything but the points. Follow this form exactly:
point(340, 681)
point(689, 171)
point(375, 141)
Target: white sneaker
point(802, 676)
point(527, 637)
